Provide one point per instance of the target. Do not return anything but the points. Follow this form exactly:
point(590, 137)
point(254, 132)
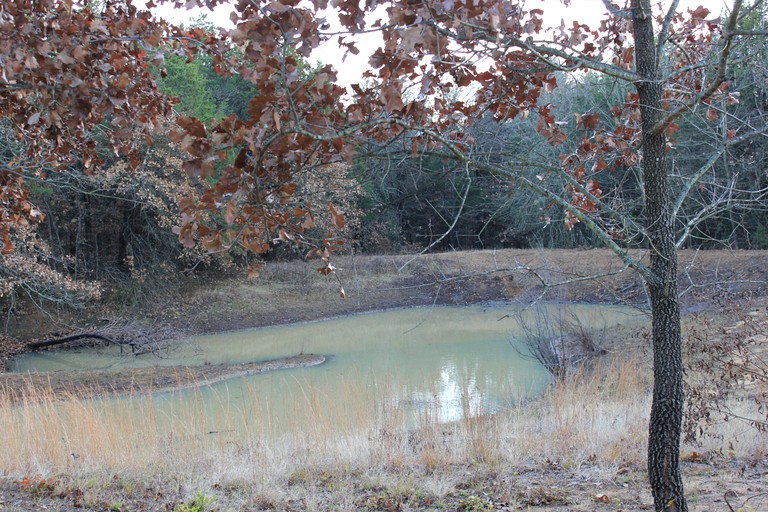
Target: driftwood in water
point(143, 339)
point(66, 339)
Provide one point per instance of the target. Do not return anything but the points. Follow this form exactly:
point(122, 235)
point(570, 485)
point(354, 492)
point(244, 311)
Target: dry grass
point(594, 421)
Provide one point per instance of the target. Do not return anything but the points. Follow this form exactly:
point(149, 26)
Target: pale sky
point(581, 9)
point(350, 70)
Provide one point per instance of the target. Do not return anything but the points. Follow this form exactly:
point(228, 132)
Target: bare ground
point(711, 486)
point(289, 292)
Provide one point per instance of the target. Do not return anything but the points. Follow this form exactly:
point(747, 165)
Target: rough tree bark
point(667, 407)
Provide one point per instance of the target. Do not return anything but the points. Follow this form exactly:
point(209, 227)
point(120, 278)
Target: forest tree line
point(113, 231)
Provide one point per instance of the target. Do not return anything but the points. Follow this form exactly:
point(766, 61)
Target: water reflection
point(456, 396)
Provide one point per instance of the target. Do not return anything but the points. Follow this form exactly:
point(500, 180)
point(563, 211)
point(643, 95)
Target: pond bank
point(289, 292)
point(580, 448)
point(156, 379)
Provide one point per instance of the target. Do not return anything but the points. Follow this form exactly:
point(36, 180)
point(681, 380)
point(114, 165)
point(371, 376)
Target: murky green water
point(440, 363)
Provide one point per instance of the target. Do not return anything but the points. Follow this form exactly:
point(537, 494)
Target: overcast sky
point(586, 11)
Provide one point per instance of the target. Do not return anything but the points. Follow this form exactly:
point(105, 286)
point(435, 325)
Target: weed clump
point(199, 503)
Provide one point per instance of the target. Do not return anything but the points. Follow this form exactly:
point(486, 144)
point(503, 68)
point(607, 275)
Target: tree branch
point(664, 31)
point(689, 183)
point(544, 54)
point(619, 13)
point(450, 227)
point(583, 218)
point(717, 81)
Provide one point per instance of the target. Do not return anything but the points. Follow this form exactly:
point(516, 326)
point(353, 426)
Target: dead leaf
point(254, 270)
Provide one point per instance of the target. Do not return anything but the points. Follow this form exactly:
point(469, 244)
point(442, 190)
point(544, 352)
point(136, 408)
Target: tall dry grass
point(596, 418)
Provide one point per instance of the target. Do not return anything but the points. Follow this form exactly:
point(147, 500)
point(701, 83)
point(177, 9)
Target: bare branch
point(450, 227)
point(585, 219)
point(619, 13)
point(690, 182)
point(664, 31)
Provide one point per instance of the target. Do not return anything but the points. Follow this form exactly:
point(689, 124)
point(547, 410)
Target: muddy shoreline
point(22, 387)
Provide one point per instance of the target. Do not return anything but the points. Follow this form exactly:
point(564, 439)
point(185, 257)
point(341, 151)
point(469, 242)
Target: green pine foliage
point(188, 81)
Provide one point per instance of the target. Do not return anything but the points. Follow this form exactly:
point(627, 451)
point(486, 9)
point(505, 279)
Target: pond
point(425, 364)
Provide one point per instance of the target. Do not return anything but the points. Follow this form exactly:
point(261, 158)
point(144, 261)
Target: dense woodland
point(109, 234)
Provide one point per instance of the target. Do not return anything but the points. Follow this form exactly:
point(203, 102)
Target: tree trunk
point(667, 407)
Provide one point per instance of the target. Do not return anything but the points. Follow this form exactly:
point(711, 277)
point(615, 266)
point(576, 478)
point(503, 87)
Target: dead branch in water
point(141, 338)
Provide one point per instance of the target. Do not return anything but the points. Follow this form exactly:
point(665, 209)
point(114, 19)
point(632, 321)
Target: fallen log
point(142, 339)
point(66, 339)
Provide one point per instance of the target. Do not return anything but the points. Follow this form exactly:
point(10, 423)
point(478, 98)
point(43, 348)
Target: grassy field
point(579, 447)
